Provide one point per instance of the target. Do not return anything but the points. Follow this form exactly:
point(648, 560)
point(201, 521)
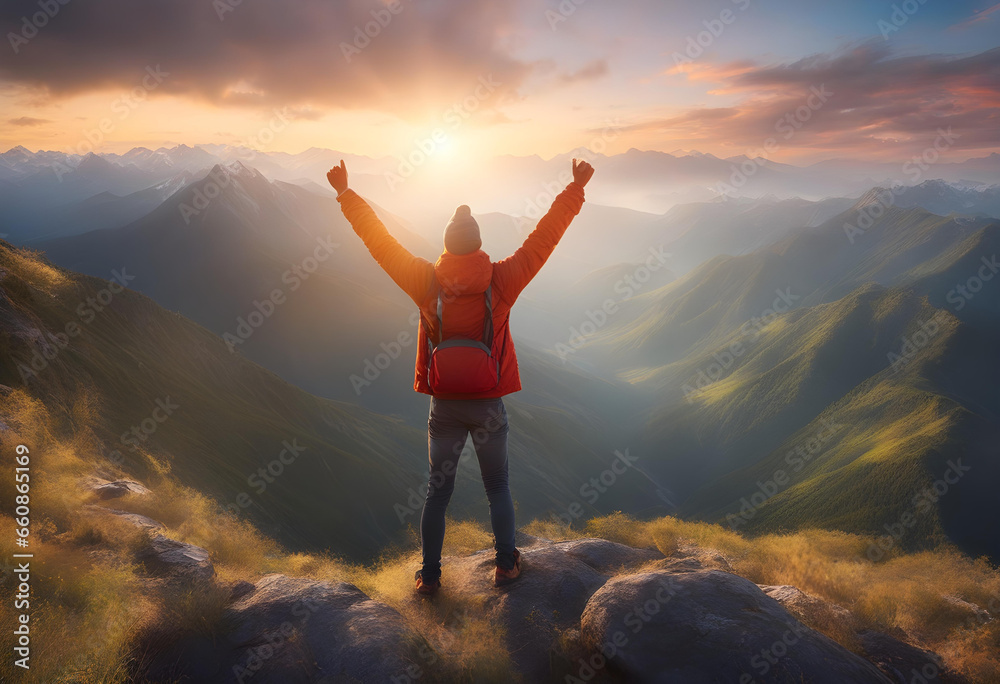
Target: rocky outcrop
point(115, 489)
point(162, 555)
point(171, 557)
point(558, 578)
point(289, 630)
point(708, 626)
point(141, 521)
point(810, 609)
point(585, 610)
point(903, 663)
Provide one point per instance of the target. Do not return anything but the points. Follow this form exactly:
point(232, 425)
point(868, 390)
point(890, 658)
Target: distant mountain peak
point(236, 168)
point(244, 188)
point(935, 183)
point(94, 162)
point(16, 155)
point(636, 152)
point(688, 153)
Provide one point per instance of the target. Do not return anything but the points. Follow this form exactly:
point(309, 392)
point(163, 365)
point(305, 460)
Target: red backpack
point(460, 365)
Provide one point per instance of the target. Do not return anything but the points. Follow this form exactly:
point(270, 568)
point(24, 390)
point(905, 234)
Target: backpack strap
point(487, 321)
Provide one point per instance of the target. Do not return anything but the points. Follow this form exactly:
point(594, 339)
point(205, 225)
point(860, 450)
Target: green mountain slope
point(737, 377)
point(814, 266)
point(874, 456)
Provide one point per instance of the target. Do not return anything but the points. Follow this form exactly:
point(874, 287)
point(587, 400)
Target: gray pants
point(448, 425)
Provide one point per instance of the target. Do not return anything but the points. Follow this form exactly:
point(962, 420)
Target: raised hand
point(582, 172)
point(338, 177)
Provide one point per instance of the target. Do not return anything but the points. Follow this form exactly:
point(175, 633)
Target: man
point(465, 355)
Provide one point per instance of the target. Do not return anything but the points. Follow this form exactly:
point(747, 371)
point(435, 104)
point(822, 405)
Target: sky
point(792, 81)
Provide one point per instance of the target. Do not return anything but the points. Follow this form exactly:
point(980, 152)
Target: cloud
point(590, 72)
point(304, 114)
point(874, 98)
point(406, 57)
point(27, 121)
point(978, 16)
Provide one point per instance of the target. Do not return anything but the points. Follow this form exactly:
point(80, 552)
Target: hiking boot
point(426, 588)
point(503, 576)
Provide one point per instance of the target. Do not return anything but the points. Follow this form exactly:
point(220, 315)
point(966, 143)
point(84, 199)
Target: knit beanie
point(461, 235)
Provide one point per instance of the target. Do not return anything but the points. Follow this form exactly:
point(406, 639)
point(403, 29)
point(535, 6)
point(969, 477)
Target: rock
point(549, 596)
point(812, 609)
point(116, 489)
point(164, 555)
point(142, 521)
point(606, 556)
point(523, 540)
point(557, 580)
point(172, 557)
point(969, 610)
point(690, 555)
point(240, 589)
point(290, 630)
point(689, 564)
point(904, 663)
point(708, 626)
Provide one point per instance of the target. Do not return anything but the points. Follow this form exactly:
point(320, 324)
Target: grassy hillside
point(905, 388)
point(902, 247)
point(737, 375)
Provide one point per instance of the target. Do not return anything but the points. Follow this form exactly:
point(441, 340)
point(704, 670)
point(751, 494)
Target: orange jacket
point(464, 279)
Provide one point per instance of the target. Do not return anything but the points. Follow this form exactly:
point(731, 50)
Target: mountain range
point(772, 362)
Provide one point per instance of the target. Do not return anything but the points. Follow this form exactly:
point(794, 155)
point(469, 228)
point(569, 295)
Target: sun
point(447, 149)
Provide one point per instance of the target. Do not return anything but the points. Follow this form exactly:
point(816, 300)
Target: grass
point(92, 604)
point(466, 644)
point(98, 615)
point(914, 592)
point(90, 600)
point(30, 267)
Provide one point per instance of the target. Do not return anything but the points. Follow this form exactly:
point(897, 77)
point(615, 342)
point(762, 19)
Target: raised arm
point(412, 273)
point(515, 272)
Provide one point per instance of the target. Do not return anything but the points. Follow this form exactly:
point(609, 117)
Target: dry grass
point(106, 531)
point(92, 603)
point(913, 592)
point(465, 645)
point(551, 528)
point(30, 265)
point(94, 606)
point(235, 545)
point(84, 613)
